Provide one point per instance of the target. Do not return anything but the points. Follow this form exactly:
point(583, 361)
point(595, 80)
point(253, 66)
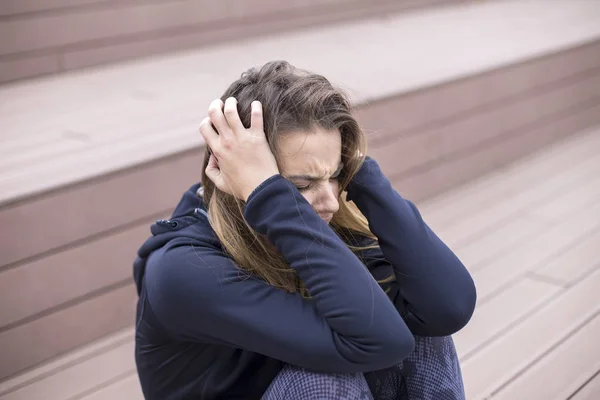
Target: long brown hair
point(292, 100)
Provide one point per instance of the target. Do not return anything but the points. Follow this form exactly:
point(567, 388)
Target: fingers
point(256, 117)
point(232, 116)
point(211, 137)
point(215, 113)
point(226, 120)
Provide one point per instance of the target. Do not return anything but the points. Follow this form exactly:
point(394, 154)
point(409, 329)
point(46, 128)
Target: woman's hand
point(241, 158)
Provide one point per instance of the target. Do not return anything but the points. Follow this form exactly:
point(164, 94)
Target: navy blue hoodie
point(206, 330)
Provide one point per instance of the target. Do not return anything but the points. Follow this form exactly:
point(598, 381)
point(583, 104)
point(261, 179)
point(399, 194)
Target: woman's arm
point(436, 292)
point(348, 325)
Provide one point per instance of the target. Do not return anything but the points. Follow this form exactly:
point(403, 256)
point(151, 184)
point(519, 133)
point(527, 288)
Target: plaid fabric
point(431, 372)
point(294, 383)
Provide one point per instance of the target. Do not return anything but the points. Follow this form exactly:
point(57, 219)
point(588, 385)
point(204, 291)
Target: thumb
point(213, 172)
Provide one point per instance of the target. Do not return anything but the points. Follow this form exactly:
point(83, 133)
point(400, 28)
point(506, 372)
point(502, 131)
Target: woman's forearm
point(437, 290)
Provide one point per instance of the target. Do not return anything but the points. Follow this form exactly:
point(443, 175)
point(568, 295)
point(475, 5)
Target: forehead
point(315, 152)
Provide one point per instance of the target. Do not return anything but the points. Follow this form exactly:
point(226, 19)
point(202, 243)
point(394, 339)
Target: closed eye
point(303, 188)
point(307, 187)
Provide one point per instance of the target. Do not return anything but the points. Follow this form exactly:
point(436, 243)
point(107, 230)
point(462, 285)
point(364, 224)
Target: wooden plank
point(563, 183)
point(40, 285)
point(12, 7)
point(124, 48)
point(71, 167)
point(577, 198)
point(66, 329)
point(591, 391)
point(337, 75)
point(144, 18)
point(143, 203)
point(79, 378)
point(479, 248)
point(574, 263)
point(126, 389)
point(66, 361)
point(538, 72)
point(457, 203)
point(532, 254)
point(579, 358)
point(442, 102)
point(113, 155)
point(461, 168)
point(63, 29)
point(502, 312)
point(550, 67)
point(509, 355)
point(132, 195)
point(480, 126)
point(204, 83)
point(13, 69)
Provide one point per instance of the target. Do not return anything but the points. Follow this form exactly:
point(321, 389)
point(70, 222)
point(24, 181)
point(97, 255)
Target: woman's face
point(312, 160)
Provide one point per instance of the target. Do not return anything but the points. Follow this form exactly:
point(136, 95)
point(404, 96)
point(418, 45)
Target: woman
point(295, 271)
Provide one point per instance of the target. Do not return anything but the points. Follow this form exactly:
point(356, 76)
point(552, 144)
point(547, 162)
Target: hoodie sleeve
point(436, 294)
point(348, 324)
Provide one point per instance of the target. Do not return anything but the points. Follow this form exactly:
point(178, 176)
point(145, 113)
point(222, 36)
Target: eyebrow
point(316, 178)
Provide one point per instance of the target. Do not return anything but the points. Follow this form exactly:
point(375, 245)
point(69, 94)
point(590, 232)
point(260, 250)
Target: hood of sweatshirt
point(188, 212)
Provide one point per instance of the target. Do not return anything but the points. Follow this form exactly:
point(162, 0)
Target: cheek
point(317, 196)
point(309, 196)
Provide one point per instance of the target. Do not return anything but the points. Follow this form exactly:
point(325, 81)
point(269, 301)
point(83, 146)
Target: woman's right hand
point(241, 158)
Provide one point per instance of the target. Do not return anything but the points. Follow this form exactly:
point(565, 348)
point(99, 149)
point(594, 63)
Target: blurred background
point(486, 113)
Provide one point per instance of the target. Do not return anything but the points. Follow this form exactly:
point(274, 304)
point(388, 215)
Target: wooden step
point(531, 329)
point(83, 371)
point(52, 36)
point(536, 251)
point(524, 344)
point(579, 355)
point(492, 319)
point(82, 173)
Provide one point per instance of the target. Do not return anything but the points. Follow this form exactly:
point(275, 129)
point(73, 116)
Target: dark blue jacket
point(207, 331)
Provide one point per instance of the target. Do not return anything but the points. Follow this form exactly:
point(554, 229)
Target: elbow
point(402, 347)
point(464, 306)
point(447, 317)
point(455, 320)
point(457, 312)
point(389, 347)
point(396, 344)
point(458, 308)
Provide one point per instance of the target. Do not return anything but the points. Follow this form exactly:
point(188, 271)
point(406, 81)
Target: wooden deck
point(150, 109)
point(530, 235)
point(103, 152)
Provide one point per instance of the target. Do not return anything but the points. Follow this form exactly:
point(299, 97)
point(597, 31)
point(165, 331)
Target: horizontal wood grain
point(514, 350)
point(64, 330)
point(579, 353)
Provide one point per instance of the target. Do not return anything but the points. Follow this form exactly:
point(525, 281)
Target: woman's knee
point(300, 384)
